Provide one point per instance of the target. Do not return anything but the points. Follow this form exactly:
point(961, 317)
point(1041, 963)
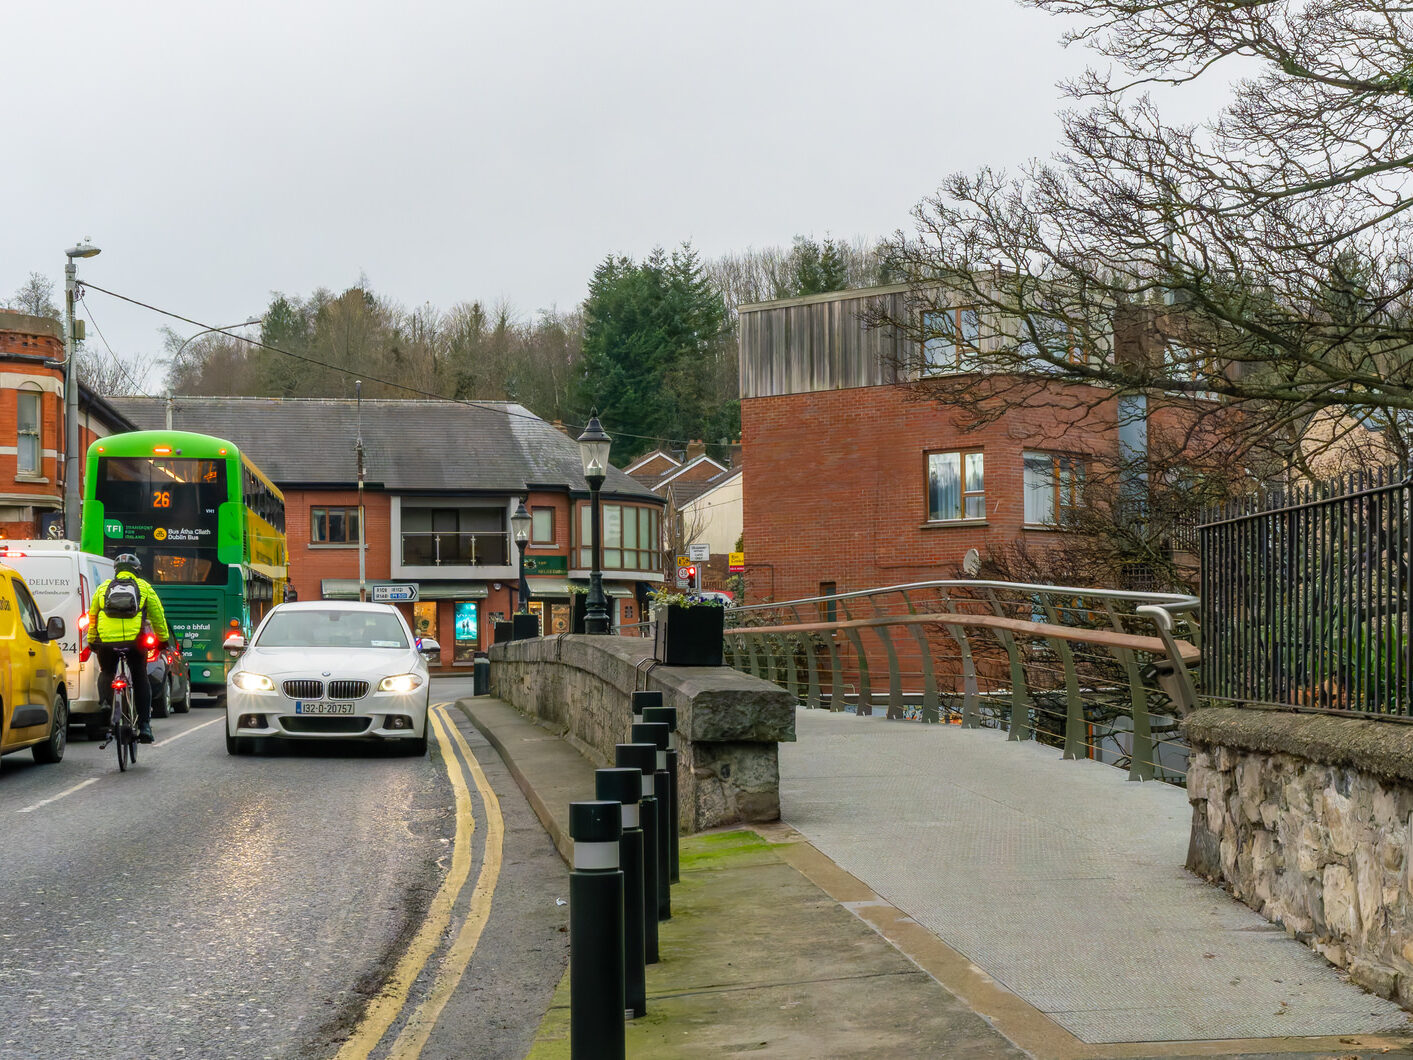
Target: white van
point(62, 579)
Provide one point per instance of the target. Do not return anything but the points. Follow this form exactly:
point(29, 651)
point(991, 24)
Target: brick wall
point(836, 485)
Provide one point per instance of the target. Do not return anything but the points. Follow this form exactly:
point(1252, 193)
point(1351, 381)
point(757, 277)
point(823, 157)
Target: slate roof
point(446, 446)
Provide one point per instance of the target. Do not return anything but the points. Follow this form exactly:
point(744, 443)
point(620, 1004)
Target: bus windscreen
point(164, 509)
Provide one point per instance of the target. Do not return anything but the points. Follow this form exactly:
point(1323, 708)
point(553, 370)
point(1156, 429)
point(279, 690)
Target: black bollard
point(595, 932)
point(625, 786)
point(655, 733)
point(668, 716)
point(643, 757)
point(643, 700)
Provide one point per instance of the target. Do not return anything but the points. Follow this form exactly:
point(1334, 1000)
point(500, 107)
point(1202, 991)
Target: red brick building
point(32, 425)
point(854, 481)
point(441, 482)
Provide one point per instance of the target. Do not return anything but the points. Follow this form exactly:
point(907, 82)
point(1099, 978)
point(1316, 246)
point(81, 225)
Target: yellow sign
point(160, 533)
point(682, 561)
point(735, 562)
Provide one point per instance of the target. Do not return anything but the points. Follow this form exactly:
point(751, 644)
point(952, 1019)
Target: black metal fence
point(1306, 598)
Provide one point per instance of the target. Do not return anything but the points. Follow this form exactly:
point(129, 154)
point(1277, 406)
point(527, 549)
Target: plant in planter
point(688, 628)
point(578, 606)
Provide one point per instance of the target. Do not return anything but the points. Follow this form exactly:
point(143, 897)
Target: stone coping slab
point(1382, 748)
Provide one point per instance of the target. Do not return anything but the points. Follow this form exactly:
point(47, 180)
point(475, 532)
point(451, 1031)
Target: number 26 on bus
point(161, 498)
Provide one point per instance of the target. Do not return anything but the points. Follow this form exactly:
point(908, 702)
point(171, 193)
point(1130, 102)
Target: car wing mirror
point(54, 628)
point(429, 647)
point(234, 645)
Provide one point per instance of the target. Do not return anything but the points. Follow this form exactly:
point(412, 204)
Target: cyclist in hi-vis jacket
point(106, 633)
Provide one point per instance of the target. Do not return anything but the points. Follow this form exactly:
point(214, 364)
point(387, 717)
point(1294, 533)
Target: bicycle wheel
point(118, 736)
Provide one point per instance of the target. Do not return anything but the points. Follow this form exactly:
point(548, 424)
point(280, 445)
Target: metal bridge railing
point(1099, 673)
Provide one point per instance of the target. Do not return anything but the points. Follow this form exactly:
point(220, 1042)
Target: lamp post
point(71, 427)
point(593, 451)
point(175, 359)
point(520, 526)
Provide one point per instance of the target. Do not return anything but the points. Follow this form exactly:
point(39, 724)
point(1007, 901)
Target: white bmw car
point(328, 670)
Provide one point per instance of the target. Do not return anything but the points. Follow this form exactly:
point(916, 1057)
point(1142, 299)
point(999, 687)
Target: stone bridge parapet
point(1308, 819)
point(729, 724)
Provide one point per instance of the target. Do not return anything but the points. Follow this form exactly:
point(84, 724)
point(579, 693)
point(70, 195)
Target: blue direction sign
point(395, 594)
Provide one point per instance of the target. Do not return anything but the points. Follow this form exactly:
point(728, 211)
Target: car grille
point(304, 689)
point(302, 723)
point(348, 689)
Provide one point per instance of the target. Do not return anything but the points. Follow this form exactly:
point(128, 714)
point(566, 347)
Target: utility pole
point(358, 450)
point(72, 527)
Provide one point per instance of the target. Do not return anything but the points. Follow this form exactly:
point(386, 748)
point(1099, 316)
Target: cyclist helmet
point(129, 563)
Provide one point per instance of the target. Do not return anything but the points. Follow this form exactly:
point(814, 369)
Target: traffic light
point(693, 578)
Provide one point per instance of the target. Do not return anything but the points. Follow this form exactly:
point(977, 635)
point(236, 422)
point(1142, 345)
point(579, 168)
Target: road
point(309, 902)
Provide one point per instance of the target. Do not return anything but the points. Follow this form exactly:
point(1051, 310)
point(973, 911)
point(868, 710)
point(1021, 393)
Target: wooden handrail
point(1109, 638)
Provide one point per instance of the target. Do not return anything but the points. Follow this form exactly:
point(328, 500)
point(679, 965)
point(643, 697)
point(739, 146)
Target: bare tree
point(36, 297)
point(1242, 280)
point(1269, 244)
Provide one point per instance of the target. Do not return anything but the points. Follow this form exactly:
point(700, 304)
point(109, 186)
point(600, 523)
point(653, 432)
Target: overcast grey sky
point(220, 151)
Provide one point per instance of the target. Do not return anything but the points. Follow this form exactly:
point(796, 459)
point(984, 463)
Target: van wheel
point(52, 749)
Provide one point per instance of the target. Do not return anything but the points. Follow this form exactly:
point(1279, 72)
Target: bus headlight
point(400, 683)
point(249, 682)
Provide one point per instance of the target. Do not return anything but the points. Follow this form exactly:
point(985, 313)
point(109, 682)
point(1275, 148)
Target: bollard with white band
point(656, 733)
point(643, 700)
point(668, 716)
point(596, 932)
point(643, 757)
point(625, 787)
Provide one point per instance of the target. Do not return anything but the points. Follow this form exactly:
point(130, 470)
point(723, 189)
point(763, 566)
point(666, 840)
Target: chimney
point(695, 448)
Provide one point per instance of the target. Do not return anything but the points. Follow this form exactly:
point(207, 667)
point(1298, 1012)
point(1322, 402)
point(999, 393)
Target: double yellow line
point(384, 1009)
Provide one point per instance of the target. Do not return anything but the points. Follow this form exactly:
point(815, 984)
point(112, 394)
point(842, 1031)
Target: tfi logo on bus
point(113, 527)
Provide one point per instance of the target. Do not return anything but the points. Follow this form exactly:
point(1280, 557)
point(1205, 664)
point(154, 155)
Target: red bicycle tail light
point(119, 684)
point(149, 640)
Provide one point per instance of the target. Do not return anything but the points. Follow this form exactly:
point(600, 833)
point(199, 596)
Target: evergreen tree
point(655, 339)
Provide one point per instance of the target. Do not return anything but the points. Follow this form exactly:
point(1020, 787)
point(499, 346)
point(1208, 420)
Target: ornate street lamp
point(593, 451)
point(520, 526)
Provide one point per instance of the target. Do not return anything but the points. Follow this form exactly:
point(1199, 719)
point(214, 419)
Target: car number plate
point(301, 707)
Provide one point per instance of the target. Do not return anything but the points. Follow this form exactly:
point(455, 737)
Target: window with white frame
point(1054, 488)
point(30, 450)
point(955, 486)
point(950, 340)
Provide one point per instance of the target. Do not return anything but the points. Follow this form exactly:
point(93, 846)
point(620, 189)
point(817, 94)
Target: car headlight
point(400, 683)
point(249, 682)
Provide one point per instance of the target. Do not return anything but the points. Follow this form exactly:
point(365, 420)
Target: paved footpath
point(935, 892)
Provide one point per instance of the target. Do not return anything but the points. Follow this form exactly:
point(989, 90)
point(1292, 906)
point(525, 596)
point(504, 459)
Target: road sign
point(684, 573)
point(395, 594)
point(699, 553)
point(736, 563)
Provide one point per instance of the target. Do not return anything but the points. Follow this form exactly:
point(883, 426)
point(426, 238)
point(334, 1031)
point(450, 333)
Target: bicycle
point(122, 726)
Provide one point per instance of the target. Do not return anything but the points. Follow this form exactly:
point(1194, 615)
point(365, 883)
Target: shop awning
point(621, 591)
point(548, 587)
point(347, 589)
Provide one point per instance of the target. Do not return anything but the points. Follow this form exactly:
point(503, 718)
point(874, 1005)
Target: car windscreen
point(331, 629)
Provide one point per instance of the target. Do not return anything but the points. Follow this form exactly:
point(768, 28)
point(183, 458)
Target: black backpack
point(123, 599)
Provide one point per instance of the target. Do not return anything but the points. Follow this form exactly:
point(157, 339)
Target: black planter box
point(504, 631)
point(689, 636)
point(578, 605)
point(526, 627)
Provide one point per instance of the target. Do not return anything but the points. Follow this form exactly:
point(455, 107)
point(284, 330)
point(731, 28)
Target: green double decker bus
point(208, 526)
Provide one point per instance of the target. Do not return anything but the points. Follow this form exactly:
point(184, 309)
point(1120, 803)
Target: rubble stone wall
point(729, 724)
point(1308, 819)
